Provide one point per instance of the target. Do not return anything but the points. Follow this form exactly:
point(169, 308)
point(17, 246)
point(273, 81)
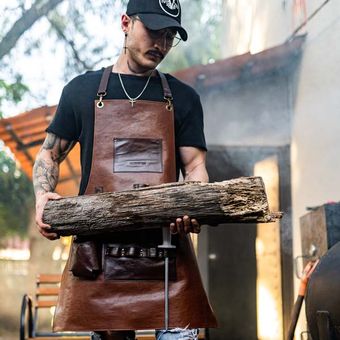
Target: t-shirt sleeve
point(64, 122)
point(191, 130)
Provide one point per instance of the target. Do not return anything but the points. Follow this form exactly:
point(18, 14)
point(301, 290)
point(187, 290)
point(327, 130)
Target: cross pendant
point(132, 101)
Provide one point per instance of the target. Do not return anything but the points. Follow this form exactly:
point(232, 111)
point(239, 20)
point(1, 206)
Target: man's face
point(147, 48)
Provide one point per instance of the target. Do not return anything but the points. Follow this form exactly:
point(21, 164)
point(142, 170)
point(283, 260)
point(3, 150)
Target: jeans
point(171, 334)
point(177, 334)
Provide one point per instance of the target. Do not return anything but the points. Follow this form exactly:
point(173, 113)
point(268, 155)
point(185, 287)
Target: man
point(136, 127)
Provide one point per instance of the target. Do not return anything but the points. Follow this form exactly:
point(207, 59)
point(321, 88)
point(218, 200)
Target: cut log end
point(272, 217)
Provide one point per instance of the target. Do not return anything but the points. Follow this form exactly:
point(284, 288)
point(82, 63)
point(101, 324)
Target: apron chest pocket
point(137, 155)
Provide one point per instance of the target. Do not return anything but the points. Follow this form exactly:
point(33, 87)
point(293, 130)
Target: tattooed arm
point(46, 174)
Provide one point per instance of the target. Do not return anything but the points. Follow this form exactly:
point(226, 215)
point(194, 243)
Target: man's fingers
point(196, 227)
point(45, 226)
point(179, 225)
point(44, 229)
point(41, 224)
point(187, 224)
point(173, 228)
point(47, 234)
point(53, 196)
point(50, 236)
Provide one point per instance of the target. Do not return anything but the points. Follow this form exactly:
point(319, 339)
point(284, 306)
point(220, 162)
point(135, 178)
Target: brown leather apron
point(133, 145)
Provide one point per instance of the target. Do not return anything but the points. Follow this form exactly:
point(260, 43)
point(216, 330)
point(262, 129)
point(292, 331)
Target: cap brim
point(157, 22)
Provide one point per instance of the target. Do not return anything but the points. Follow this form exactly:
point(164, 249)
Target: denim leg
point(177, 334)
point(107, 335)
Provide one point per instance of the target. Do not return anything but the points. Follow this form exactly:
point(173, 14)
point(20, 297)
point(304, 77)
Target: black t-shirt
point(74, 119)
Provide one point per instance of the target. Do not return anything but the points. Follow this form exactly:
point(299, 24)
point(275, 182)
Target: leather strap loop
point(165, 85)
point(104, 82)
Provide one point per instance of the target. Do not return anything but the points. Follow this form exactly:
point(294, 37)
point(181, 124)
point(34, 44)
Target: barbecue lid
point(323, 297)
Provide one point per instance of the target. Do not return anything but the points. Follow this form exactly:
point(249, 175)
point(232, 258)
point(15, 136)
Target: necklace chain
point(133, 100)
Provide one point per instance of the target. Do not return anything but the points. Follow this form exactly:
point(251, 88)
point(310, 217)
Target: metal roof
point(243, 67)
point(25, 133)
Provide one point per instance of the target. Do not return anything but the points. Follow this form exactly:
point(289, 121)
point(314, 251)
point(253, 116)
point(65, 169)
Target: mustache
point(156, 53)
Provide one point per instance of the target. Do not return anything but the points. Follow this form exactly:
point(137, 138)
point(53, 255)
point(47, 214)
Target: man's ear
point(125, 23)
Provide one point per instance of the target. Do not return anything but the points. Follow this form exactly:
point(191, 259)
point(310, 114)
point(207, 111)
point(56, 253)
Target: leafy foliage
point(65, 35)
point(202, 20)
point(16, 198)
point(13, 92)
point(85, 48)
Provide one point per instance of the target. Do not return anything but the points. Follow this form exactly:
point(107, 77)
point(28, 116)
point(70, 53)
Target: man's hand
point(185, 225)
point(193, 169)
point(39, 209)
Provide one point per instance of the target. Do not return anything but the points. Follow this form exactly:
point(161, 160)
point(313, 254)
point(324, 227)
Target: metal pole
point(166, 294)
point(166, 246)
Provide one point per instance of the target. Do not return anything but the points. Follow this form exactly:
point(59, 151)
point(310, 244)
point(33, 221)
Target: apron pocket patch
point(137, 155)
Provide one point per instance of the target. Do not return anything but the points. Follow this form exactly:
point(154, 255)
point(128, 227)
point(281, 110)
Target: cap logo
point(170, 7)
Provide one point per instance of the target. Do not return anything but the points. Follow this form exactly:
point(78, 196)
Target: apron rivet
point(100, 104)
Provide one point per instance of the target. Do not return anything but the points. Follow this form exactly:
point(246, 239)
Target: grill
point(320, 238)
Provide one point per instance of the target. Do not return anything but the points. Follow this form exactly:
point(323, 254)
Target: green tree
point(202, 20)
point(16, 198)
point(11, 92)
point(14, 89)
point(66, 24)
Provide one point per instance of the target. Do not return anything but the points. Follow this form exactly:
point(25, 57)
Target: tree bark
point(37, 11)
point(238, 200)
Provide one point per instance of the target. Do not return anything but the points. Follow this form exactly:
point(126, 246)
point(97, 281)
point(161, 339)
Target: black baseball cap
point(158, 14)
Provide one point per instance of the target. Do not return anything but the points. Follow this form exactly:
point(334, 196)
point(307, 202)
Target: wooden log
point(238, 200)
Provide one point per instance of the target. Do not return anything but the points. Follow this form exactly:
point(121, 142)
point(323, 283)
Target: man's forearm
point(198, 173)
point(193, 164)
point(46, 167)
point(45, 179)
point(45, 174)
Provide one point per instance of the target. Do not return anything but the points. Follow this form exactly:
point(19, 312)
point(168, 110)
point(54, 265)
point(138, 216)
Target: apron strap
point(104, 81)
point(165, 85)
point(167, 92)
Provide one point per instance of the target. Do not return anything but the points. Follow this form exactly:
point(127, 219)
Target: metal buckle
point(169, 105)
point(100, 103)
